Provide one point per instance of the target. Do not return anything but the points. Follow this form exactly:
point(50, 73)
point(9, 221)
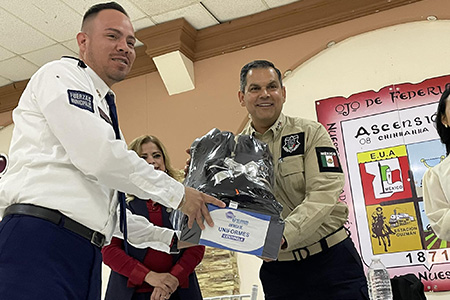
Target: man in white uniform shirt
point(58, 198)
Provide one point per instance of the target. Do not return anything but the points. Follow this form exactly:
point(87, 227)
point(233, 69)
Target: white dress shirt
point(64, 154)
point(436, 197)
point(144, 234)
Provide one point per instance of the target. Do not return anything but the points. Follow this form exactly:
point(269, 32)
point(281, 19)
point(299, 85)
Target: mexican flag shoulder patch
point(328, 160)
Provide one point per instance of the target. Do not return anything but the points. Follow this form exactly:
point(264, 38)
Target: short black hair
point(257, 64)
point(444, 132)
point(95, 9)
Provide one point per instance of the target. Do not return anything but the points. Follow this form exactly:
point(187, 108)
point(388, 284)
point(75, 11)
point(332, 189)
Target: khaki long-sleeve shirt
point(308, 180)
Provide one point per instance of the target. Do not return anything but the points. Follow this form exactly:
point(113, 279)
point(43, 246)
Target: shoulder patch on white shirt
point(81, 99)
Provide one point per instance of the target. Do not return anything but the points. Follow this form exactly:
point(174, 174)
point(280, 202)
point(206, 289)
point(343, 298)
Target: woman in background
point(140, 274)
point(436, 180)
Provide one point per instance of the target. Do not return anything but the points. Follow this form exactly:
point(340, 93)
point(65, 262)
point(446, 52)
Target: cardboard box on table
point(239, 172)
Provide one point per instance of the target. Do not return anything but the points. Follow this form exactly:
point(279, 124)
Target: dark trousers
point(336, 273)
point(40, 260)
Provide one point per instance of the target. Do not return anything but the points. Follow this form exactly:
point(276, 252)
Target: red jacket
point(115, 257)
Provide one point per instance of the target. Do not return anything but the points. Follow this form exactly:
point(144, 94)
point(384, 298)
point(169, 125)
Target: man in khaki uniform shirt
point(317, 260)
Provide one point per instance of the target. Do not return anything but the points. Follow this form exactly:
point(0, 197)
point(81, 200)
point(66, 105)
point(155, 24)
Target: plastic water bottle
point(254, 292)
point(378, 281)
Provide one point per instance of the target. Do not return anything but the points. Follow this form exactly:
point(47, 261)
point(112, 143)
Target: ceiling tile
point(4, 81)
point(142, 23)
point(157, 7)
point(51, 17)
point(195, 14)
point(5, 54)
point(43, 56)
point(30, 29)
point(233, 9)
point(82, 6)
point(72, 45)
point(138, 43)
point(18, 37)
point(276, 3)
point(17, 69)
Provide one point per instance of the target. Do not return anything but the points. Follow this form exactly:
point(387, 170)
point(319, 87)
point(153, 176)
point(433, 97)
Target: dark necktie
point(121, 196)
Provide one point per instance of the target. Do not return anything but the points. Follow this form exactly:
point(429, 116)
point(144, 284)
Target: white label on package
point(233, 204)
point(237, 230)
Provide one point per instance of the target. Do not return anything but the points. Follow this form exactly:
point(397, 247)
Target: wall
point(409, 52)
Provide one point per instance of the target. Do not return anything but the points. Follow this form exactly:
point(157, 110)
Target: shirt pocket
point(292, 178)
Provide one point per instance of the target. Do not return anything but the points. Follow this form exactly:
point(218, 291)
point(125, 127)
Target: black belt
point(56, 217)
point(325, 243)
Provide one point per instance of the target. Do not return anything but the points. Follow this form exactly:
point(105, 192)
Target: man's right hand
point(194, 206)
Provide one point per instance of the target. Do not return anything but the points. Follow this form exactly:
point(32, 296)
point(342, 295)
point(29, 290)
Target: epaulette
point(80, 62)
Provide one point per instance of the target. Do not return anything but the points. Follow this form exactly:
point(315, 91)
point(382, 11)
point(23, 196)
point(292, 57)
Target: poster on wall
point(386, 140)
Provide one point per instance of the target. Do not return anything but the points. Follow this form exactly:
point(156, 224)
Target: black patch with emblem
point(81, 99)
point(293, 144)
point(328, 160)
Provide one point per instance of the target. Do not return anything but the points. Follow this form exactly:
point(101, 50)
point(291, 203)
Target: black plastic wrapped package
point(239, 171)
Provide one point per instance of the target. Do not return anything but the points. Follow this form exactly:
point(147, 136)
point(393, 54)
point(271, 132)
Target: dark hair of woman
point(443, 129)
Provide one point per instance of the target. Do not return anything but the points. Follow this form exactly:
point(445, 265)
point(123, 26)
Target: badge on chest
point(293, 144)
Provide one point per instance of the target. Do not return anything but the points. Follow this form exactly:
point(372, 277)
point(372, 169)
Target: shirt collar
point(274, 129)
point(100, 86)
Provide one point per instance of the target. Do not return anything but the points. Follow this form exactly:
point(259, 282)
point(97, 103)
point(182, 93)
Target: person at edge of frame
point(436, 179)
